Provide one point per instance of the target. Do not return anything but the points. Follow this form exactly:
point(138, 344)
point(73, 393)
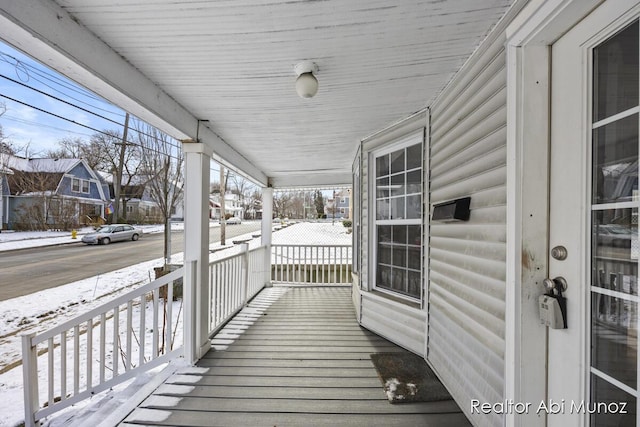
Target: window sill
point(394, 298)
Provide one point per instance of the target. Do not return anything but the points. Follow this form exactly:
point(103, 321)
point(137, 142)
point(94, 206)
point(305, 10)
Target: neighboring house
point(232, 206)
point(51, 193)
point(339, 206)
point(138, 203)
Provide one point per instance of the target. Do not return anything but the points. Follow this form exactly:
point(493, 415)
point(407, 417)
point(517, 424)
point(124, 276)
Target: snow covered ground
point(43, 310)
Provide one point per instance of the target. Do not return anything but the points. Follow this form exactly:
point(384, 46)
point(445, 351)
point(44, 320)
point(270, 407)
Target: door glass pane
point(614, 230)
point(615, 250)
point(614, 398)
point(616, 74)
point(615, 161)
point(614, 337)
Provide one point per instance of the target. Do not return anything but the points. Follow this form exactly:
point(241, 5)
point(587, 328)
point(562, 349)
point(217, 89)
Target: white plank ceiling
point(231, 62)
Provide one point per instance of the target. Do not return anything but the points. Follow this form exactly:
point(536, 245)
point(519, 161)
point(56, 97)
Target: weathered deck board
point(300, 359)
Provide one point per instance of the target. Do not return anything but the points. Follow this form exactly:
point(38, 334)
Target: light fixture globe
point(306, 83)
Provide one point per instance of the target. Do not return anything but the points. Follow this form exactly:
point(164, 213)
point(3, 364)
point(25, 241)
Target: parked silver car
point(112, 233)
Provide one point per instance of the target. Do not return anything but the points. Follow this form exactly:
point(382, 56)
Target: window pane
point(383, 277)
point(384, 233)
point(400, 256)
point(397, 161)
point(384, 253)
point(382, 209)
point(414, 156)
point(414, 207)
point(400, 234)
point(382, 187)
point(615, 161)
point(414, 284)
point(397, 185)
point(399, 280)
point(382, 165)
point(414, 182)
point(397, 208)
point(414, 235)
point(616, 74)
point(414, 258)
point(613, 333)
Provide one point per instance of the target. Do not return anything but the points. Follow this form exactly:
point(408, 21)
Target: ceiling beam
point(47, 32)
point(342, 179)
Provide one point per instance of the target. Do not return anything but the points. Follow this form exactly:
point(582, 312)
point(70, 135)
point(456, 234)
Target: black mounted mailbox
point(454, 210)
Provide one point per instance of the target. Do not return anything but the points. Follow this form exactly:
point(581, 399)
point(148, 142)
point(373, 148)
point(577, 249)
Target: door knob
point(558, 284)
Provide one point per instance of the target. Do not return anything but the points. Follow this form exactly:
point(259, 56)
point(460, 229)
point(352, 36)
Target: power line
point(25, 68)
point(75, 106)
point(59, 99)
point(92, 128)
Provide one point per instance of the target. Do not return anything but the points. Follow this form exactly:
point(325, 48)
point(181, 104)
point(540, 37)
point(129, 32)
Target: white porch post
point(265, 234)
point(196, 248)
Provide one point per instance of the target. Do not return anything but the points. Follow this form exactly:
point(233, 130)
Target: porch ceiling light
point(306, 83)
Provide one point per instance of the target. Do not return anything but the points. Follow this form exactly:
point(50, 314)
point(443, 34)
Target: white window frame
point(78, 185)
point(413, 139)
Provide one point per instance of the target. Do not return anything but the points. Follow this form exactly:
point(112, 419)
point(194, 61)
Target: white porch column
point(265, 234)
point(196, 248)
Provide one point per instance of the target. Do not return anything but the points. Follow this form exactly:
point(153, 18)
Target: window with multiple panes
point(79, 185)
point(398, 223)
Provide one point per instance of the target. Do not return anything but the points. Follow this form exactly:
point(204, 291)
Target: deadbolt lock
point(559, 253)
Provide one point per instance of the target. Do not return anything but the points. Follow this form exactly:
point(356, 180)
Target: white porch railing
point(140, 330)
point(102, 348)
point(233, 281)
point(311, 264)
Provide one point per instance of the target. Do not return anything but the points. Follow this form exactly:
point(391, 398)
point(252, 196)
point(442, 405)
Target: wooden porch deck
point(294, 356)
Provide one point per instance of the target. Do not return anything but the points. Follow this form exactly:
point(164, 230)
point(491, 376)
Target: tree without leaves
point(78, 148)
point(162, 164)
point(109, 145)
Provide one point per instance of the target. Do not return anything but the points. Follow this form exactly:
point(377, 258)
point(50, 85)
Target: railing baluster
point(76, 359)
point(116, 340)
point(63, 365)
point(50, 357)
point(127, 362)
point(89, 354)
point(143, 332)
point(155, 327)
point(103, 333)
point(169, 305)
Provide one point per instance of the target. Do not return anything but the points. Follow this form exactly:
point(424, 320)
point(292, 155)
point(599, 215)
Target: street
point(26, 271)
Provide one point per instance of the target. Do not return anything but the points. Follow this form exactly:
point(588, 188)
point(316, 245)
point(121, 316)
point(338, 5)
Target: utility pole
point(223, 219)
point(117, 186)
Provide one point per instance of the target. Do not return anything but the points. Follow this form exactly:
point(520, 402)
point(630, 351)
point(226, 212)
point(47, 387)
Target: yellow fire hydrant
point(74, 234)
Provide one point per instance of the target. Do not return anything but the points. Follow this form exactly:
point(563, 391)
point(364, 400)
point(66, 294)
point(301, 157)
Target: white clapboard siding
point(467, 260)
point(400, 322)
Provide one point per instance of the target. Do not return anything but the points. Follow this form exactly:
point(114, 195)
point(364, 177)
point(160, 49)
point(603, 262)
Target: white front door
point(593, 364)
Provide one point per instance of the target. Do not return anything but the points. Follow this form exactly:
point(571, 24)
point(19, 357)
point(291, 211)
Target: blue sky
point(26, 126)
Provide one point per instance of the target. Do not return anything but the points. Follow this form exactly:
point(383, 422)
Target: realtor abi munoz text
point(551, 406)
